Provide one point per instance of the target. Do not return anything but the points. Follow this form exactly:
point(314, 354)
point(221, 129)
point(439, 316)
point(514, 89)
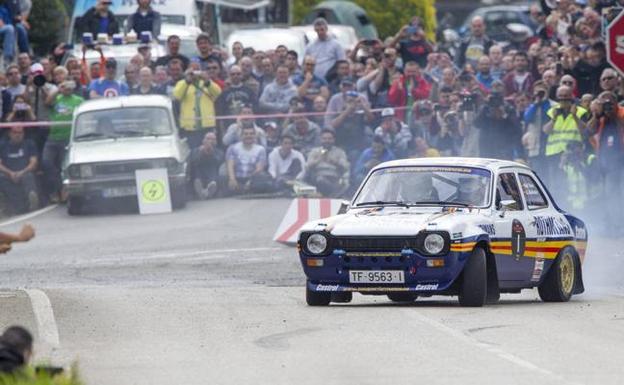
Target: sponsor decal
point(373, 254)
point(457, 236)
point(320, 287)
point(488, 229)
point(429, 286)
point(580, 233)
point(538, 267)
point(518, 239)
point(551, 226)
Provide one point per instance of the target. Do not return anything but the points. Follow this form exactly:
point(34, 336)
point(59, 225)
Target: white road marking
point(44, 315)
point(487, 347)
point(28, 216)
point(187, 256)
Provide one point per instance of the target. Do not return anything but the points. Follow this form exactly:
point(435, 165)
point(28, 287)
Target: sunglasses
point(608, 78)
point(388, 55)
point(568, 82)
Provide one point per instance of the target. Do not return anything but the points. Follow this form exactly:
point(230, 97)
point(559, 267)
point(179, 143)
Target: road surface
point(203, 296)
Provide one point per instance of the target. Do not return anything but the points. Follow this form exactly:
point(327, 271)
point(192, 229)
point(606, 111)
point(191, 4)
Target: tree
point(48, 19)
point(388, 15)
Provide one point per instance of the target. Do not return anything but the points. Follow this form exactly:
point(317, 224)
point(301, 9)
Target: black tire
point(179, 197)
point(558, 285)
point(402, 297)
point(342, 297)
point(315, 298)
point(473, 289)
point(75, 205)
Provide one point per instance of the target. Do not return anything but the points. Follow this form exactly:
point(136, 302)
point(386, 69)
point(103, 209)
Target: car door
point(512, 229)
point(550, 228)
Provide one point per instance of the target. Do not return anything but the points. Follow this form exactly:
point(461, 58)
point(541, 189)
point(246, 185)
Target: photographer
point(450, 138)
point(413, 44)
point(409, 88)
point(567, 124)
point(500, 132)
point(607, 128)
point(535, 118)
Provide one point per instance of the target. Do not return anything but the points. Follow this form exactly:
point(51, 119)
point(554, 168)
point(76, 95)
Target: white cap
point(387, 112)
point(36, 69)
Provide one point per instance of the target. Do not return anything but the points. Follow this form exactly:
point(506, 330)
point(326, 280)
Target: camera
point(352, 94)
point(540, 94)
point(495, 100)
point(468, 102)
point(465, 76)
point(608, 107)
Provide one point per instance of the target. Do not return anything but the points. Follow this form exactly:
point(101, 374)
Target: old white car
point(112, 138)
point(445, 226)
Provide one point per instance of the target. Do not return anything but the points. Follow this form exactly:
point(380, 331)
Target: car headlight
point(86, 171)
point(316, 243)
point(434, 243)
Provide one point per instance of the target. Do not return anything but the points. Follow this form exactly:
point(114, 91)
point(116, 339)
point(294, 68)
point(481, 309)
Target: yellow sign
point(153, 191)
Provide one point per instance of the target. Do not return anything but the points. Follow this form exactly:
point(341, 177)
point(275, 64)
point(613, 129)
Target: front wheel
point(315, 298)
point(558, 285)
point(473, 289)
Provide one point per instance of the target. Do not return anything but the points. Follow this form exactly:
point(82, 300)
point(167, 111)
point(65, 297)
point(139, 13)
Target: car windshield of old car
point(461, 186)
point(122, 122)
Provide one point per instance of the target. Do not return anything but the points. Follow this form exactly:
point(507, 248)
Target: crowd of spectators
point(257, 121)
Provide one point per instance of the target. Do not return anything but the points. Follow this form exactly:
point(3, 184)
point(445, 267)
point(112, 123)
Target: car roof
point(490, 164)
point(124, 101)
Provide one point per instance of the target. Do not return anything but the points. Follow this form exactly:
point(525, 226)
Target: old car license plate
point(116, 192)
point(376, 276)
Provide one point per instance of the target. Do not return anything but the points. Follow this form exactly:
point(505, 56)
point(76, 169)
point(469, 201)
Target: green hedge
point(48, 20)
point(387, 15)
point(28, 377)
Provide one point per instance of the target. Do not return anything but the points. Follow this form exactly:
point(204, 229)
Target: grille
point(373, 244)
point(121, 168)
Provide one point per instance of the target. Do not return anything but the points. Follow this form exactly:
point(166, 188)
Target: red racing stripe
point(325, 208)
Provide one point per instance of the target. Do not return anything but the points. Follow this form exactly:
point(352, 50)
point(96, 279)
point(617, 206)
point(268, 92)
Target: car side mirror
point(344, 207)
point(506, 205)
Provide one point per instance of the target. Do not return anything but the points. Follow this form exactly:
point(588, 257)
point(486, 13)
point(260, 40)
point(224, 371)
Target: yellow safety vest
point(565, 130)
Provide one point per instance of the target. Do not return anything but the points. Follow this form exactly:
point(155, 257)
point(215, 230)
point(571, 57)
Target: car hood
point(123, 149)
point(397, 221)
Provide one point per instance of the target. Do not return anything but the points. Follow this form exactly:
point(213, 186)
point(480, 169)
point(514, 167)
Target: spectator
point(500, 131)
point(205, 163)
point(235, 95)
point(107, 86)
point(610, 81)
point(205, 51)
point(18, 162)
point(276, 96)
point(196, 94)
point(246, 65)
point(327, 167)
point(567, 124)
point(273, 135)
point(21, 111)
point(475, 45)
point(607, 127)
point(237, 53)
point(535, 118)
point(325, 49)
point(495, 53)
point(173, 47)
point(395, 134)
point(145, 50)
point(99, 19)
point(55, 147)
point(244, 160)
point(385, 77)
point(342, 69)
point(587, 71)
point(145, 19)
point(286, 164)
point(16, 344)
point(484, 72)
point(520, 79)
point(175, 73)
point(292, 63)
point(23, 64)
point(376, 154)
point(348, 114)
point(304, 133)
point(131, 76)
point(146, 84)
point(413, 44)
point(309, 85)
point(319, 106)
point(422, 149)
point(268, 73)
point(407, 89)
point(20, 23)
point(245, 120)
point(213, 70)
point(7, 32)
point(14, 87)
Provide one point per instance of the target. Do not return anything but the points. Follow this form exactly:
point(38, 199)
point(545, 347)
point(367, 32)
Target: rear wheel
point(75, 205)
point(315, 298)
point(402, 297)
point(473, 287)
point(558, 285)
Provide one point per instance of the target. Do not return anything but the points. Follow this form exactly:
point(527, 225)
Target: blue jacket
point(5, 14)
point(360, 170)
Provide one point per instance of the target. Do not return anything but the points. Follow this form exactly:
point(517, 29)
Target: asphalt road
point(203, 296)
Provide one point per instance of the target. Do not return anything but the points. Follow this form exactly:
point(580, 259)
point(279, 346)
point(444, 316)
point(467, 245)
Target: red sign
point(615, 43)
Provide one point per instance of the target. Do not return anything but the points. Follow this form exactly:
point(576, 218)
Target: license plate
point(116, 192)
point(376, 276)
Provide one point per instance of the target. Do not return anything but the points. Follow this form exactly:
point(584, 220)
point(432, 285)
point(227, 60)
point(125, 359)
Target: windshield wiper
point(443, 203)
point(384, 203)
point(131, 133)
point(92, 135)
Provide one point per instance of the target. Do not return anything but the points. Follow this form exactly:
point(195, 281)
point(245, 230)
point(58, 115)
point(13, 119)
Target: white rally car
point(445, 226)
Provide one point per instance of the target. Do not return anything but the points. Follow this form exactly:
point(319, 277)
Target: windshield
point(122, 122)
point(427, 185)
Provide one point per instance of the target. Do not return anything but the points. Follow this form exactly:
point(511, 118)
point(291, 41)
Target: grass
point(30, 376)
